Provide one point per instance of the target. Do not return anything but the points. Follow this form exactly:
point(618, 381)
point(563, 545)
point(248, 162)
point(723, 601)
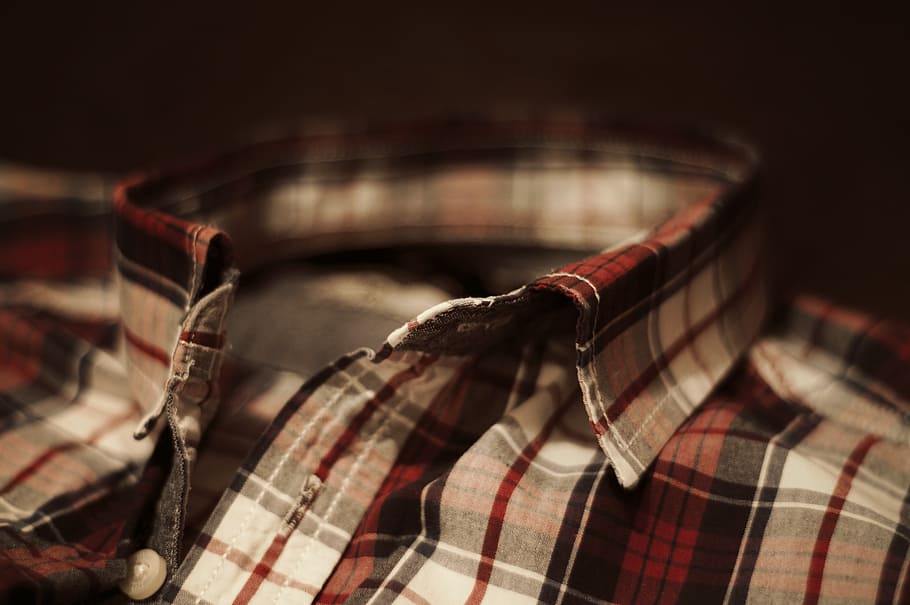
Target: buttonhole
point(308, 492)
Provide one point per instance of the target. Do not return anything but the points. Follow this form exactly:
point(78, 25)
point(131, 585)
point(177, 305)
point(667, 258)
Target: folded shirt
point(497, 361)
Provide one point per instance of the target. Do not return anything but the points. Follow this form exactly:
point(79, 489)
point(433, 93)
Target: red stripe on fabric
point(261, 571)
point(33, 562)
point(628, 395)
point(146, 347)
point(501, 502)
point(21, 342)
point(353, 428)
point(829, 522)
point(264, 567)
point(172, 230)
point(243, 562)
point(55, 253)
point(357, 563)
point(52, 453)
point(35, 465)
point(407, 592)
point(206, 339)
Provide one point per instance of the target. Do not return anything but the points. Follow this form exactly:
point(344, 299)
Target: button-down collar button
point(145, 574)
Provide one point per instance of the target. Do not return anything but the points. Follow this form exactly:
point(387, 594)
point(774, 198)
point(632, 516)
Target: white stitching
point(368, 448)
point(323, 410)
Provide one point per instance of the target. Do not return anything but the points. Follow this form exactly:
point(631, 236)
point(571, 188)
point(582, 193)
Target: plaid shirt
point(634, 426)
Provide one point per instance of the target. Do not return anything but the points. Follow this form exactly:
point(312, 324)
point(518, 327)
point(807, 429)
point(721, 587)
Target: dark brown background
point(821, 92)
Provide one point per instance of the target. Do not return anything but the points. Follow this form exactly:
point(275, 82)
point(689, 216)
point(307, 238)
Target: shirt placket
point(289, 514)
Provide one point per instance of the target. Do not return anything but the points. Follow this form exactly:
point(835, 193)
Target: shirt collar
point(664, 311)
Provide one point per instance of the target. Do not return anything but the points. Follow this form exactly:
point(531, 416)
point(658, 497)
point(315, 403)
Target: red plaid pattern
point(626, 428)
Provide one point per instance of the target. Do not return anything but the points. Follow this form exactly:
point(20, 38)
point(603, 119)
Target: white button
point(145, 574)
